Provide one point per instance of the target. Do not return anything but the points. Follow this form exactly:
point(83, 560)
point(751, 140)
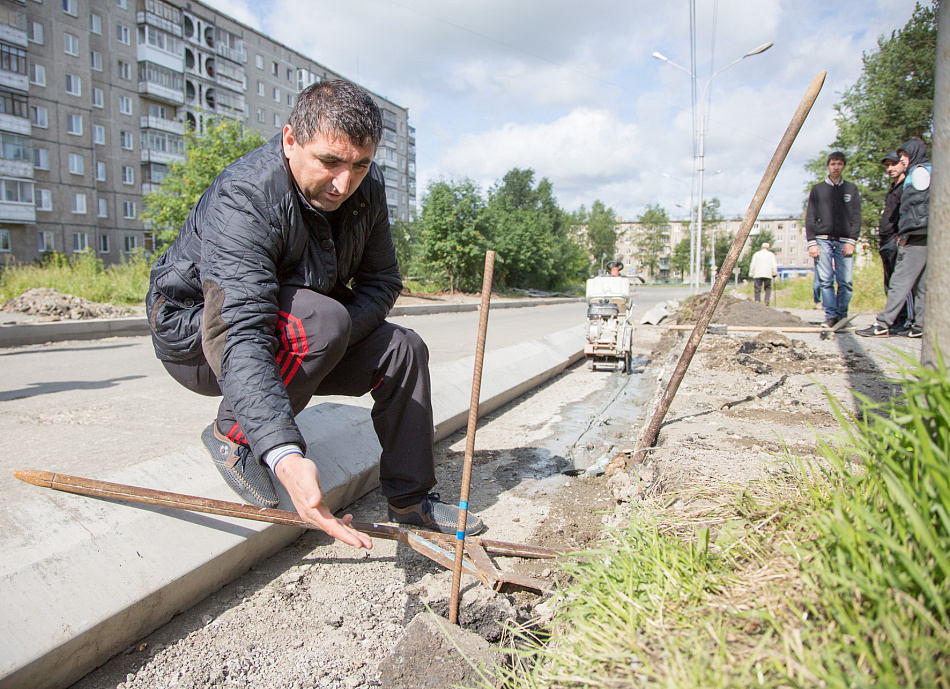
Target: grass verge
point(834, 576)
point(82, 275)
point(797, 293)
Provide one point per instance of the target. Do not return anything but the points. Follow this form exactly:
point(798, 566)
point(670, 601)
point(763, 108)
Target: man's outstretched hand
point(301, 478)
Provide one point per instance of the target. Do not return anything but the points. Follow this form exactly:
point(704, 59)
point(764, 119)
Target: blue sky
point(570, 89)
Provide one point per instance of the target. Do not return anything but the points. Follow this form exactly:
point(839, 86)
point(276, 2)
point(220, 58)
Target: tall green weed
point(82, 275)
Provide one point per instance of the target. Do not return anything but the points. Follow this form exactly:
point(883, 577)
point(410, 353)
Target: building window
point(98, 98)
point(44, 241)
point(41, 159)
point(125, 105)
point(76, 164)
point(14, 104)
point(122, 4)
point(260, 62)
point(275, 70)
point(73, 85)
point(290, 75)
point(128, 210)
point(4, 240)
point(260, 89)
point(78, 205)
point(12, 59)
point(103, 208)
point(70, 44)
point(125, 140)
point(277, 119)
point(39, 116)
point(44, 200)
point(69, 7)
point(125, 70)
point(96, 61)
point(100, 171)
point(34, 32)
point(277, 95)
point(38, 75)
point(74, 124)
point(128, 174)
point(98, 134)
point(260, 115)
point(131, 243)
point(16, 191)
point(123, 35)
point(95, 24)
point(80, 242)
point(290, 99)
point(103, 238)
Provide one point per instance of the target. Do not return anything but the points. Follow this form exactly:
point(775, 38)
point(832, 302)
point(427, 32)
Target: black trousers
point(758, 284)
point(392, 363)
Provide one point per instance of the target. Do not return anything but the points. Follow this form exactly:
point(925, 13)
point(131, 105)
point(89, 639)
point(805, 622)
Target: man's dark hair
point(336, 107)
point(836, 155)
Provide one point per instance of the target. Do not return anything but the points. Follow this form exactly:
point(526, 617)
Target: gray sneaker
point(435, 515)
point(245, 475)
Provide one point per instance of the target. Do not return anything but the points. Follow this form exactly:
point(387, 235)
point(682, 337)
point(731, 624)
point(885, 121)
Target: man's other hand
point(847, 249)
point(813, 251)
point(301, 478)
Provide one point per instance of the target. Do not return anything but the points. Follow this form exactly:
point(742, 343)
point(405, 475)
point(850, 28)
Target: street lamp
point(702, 130)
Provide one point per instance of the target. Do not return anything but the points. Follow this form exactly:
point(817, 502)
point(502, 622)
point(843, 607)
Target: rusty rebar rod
point(161, 498)
point(648, 437)
point(470, 437)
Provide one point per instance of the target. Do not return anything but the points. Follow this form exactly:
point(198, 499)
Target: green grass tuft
point(82, 275)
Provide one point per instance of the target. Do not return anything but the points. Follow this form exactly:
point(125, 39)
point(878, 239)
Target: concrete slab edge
point(101, 575)
point(22, 334)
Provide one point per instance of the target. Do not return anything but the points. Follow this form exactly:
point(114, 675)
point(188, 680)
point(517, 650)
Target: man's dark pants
point(758, 284)
point(391, 362)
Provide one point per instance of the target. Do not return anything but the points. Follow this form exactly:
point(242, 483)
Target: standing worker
point(887, 235)
point(832, 227)
point(277, 289)
point(764, 269)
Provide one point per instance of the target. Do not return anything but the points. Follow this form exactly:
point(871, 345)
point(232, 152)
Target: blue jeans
point(834, 266)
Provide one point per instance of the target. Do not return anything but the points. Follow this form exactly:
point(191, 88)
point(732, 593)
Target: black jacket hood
point(916, 151)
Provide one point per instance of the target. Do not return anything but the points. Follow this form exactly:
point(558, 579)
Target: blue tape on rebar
point(460, 535)
point(463, 504)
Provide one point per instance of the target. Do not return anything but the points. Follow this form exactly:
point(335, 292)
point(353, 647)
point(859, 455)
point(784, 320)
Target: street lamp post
point(693, 281)
point(702, 134)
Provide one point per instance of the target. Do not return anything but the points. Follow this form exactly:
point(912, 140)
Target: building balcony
point(17, 213)
point(232, 54)
point(172, 126)
point(16, 168)
point(14, 81)
point(162, 157)
point(171, 27)
point(148, 53)
point(13, 26)
point(161, 93)
point(15, 125)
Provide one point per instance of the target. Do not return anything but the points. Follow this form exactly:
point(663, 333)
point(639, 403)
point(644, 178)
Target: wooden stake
point(470, 438)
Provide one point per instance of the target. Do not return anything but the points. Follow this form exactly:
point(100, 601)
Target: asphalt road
point(89, 407)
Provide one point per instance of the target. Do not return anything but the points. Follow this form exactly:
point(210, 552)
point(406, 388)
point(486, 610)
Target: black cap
point(891, 156)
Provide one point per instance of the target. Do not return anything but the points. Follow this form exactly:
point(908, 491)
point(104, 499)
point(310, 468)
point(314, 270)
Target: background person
point(764, 269)
point(887, 234)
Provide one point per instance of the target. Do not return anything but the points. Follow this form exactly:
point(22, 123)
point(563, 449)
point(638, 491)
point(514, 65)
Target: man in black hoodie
point(910, 270)
point(832, 227)
point(887, 232)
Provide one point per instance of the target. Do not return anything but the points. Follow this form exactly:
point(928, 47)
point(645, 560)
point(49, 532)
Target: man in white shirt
point(763, 270)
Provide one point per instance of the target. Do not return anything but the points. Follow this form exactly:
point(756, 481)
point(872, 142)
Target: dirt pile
point(51, 305)
point(733, 310)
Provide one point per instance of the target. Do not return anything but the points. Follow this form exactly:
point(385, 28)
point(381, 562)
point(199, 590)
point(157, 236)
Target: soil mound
point(51, 305)
point(735, 311)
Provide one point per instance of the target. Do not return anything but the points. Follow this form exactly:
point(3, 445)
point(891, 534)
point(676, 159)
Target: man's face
point(328, 169)
point(895, 169)
point(905, 159)
point(835, 168)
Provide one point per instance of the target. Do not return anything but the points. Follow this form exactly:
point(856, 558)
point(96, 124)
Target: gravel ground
point(320, 614)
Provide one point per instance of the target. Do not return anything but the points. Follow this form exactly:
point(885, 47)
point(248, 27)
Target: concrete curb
point(82, 579)
point(22, 334)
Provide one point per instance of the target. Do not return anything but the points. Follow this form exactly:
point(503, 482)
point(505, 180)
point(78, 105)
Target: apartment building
point(788, 234)
point(95, 96)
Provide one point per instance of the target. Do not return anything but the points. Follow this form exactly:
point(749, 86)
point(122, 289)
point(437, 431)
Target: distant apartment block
point(788, 234)
point(95, 96)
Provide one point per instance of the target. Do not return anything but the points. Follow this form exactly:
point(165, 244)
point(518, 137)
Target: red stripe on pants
point(293, 345)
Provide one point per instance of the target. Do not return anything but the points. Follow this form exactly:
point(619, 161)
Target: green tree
point(652, 237)
point(206, 155)
point(601, 224)
point(679, 262)
point(407, 236)
point(891, 102)
point(453, 241)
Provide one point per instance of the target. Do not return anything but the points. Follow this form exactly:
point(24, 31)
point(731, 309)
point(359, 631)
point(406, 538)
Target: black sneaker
point(435, 515)
point(876, 330)
point(902, 330)
point(915, 331)
point(829, 323)
point(245, 475)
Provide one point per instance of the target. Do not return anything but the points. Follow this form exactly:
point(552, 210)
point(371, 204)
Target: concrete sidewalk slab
point(25, 333)
point(82, 579)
